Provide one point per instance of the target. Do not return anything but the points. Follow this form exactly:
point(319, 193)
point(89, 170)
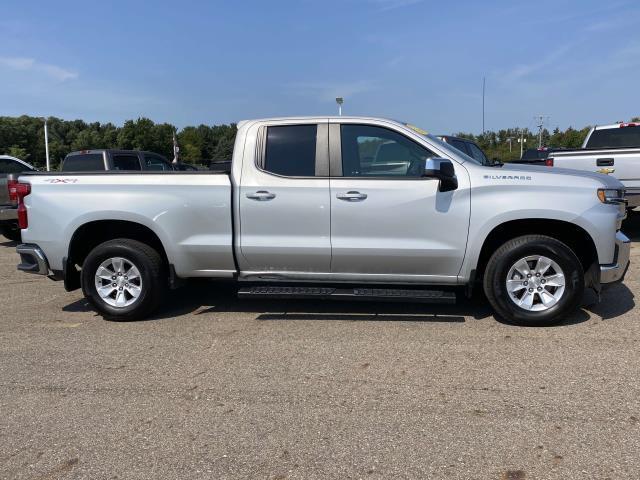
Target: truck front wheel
point(124, 279)
point(534, 280)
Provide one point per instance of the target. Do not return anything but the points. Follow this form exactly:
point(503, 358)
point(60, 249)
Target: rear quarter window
point(615, 138)
point(83, 163)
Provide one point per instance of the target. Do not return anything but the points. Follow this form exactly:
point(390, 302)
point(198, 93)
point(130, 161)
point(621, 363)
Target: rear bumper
point(8, 212)
point(616, 271)
point(32, 259)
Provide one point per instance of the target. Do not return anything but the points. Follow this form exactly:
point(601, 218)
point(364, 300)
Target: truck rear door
point(284, 200)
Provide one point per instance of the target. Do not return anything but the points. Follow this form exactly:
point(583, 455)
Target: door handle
point(352, 196)
point(261, 195)
point(604, 162)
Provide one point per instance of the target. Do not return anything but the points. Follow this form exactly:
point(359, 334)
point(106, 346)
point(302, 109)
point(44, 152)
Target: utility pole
point(483, 90)
point(540, 119)
point(510, 140)
point(176, 148)
point(46, 143)
point(522, 141)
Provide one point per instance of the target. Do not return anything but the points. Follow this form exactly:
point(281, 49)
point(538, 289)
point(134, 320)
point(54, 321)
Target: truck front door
point(388, 222)
point(284, 200)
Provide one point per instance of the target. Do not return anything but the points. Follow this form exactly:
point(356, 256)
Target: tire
point(12, 232)
point(150, 283)
point(502, 267)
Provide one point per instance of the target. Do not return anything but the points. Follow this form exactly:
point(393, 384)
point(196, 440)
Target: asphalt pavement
point(214, 387)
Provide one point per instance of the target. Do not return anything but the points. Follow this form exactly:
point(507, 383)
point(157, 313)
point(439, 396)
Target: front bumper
point(32, 259)
point(8, 212)
point(616, 271)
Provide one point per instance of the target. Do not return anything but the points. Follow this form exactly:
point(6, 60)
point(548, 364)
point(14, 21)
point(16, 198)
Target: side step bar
point(360, 293)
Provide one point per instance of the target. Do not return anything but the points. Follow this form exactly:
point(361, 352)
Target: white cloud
point(31, 65)
point(385, 5)
point(524, 70)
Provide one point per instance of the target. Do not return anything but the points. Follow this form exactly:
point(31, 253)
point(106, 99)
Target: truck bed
point(190, 213)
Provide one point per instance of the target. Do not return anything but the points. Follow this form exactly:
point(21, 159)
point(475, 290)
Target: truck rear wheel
point(124, 279)
point(534, 280)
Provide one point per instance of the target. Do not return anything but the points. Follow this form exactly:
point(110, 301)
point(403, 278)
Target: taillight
point(11, 186)
point(548, 162)
point(631, 124)
point(17, 192)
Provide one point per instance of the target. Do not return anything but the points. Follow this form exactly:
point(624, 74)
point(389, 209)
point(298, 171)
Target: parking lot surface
point(214, 387)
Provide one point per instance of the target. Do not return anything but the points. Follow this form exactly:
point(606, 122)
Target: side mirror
point(443, 170)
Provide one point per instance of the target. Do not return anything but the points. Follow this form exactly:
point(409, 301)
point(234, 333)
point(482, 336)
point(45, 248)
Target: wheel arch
point(572, 235)
point(91, 234)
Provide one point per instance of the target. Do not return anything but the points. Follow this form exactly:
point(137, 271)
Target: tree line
point(505, 145)
point(23, 137)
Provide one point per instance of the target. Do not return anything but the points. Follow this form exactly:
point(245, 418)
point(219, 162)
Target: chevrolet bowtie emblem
point(606, 171)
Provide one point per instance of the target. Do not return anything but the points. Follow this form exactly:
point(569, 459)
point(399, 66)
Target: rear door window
point(11, 166)
point(156, 162)
point(291, 150)
point(86, 162)
point(615, 138)
point(126, 162)
point(459, 144)
point(477, 153)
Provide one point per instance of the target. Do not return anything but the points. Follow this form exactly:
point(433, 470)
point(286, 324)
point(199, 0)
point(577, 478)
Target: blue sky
point(422, 61)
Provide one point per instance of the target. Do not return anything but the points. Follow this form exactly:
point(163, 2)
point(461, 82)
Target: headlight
point(611, 195)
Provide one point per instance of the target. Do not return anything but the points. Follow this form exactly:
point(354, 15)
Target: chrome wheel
point(118, 282)
point(535, 283)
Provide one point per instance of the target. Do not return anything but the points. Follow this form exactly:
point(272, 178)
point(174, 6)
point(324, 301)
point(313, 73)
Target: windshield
point(453, 151)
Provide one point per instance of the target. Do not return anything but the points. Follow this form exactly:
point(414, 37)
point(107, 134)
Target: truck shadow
point(201, 297)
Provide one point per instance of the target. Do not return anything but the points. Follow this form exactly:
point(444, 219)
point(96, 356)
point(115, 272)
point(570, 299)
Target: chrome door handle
point(261, 195)
point(352, 196)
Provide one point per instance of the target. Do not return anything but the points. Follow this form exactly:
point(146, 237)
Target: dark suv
point(535, 156)
point(467, 146)
point(95, 160)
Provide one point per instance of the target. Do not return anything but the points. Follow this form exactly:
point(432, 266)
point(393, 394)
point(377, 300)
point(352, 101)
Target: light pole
point(46, 143)
point(339, 101)
point(510, 140)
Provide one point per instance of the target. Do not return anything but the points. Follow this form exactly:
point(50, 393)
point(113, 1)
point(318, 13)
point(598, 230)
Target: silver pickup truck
point(609, 149)
point(342, 207)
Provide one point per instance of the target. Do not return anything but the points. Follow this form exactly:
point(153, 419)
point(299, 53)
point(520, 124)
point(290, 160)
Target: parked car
point(8, 207)
point(317, 208)
point(535, 156)
point(184, 167)
point(468, 147)
point(108, 159)
point(609, 149)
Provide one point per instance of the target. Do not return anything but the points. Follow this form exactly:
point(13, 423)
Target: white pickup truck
point(341, 207)
point(609, 149)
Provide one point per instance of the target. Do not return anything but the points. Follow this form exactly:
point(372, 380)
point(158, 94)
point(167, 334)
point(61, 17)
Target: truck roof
point(617, 125)
point(109, 150)
point(318, 117)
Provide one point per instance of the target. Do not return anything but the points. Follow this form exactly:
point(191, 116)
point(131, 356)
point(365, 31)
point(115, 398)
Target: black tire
point(12, 232)
point(507, 255)
point(153, 273)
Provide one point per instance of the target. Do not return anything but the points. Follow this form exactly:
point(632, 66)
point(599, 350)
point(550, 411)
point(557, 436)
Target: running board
point(329, 293)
